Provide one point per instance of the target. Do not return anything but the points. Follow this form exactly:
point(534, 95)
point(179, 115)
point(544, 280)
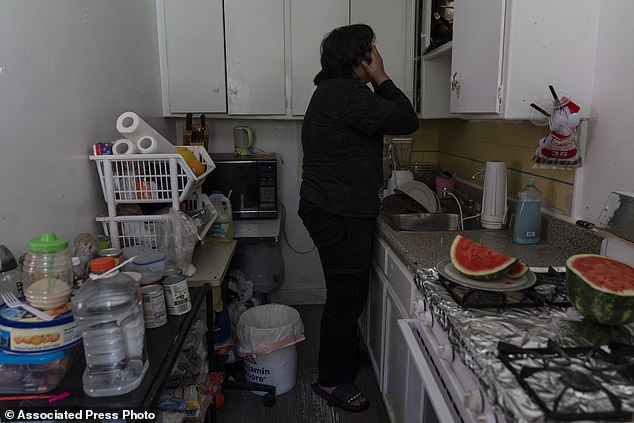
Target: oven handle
point(432, 389)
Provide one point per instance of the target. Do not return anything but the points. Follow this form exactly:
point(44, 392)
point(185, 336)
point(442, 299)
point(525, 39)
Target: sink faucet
point(458, 196)
point(478, 173)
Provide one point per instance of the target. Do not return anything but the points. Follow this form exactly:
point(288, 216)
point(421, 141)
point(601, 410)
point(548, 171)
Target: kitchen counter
point(425, 249)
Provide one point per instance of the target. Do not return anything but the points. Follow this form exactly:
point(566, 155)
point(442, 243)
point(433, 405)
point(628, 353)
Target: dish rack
point(150, 178)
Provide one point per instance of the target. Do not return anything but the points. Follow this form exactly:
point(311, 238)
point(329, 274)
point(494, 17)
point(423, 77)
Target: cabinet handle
point(455, 84)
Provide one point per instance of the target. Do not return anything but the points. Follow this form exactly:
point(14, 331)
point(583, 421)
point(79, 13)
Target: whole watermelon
point(601, 288)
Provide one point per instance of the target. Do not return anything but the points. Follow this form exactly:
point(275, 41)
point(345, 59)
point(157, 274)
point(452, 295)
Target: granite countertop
point(560, 240)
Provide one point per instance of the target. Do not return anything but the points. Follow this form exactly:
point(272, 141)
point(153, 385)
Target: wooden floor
point(300, 404)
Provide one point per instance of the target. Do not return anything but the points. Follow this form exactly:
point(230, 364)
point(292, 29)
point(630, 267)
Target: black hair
point(342, 49)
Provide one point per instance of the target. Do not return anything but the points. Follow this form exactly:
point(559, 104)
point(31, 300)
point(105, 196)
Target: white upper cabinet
point(506, 52)
point(310, 21)
point(254, 38)
point(393, 24)
point(192, 56)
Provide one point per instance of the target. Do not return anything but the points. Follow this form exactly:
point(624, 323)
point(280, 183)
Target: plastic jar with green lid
point(47, 265)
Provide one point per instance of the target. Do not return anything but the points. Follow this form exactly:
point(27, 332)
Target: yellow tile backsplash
point(464, 146)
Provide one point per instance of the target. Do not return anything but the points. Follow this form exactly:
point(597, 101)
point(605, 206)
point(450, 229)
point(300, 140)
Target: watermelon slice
point(518, 270)
point(477, 261)
point(601, 288)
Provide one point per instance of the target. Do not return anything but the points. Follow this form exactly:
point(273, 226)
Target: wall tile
point(464, 146)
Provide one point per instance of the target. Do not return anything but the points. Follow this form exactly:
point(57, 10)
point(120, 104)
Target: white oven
point(451, 387)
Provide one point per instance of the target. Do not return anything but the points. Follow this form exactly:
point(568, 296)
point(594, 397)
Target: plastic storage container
point(23, 333)
point(10, 275)
point(222, 228)
point(108, 311)
point(33, 374)
point(527, 226)
point(150, 263)
point(47, 261)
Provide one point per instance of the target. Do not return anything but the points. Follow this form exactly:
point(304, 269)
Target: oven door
point(452, 388)
point(422, 374)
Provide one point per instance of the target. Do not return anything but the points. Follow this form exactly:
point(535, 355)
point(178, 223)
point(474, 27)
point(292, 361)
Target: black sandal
point(342, 397)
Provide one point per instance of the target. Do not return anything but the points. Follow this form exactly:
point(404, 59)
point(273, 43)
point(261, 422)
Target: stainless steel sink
point(428, 222)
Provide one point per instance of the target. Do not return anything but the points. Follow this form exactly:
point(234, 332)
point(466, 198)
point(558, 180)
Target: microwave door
point(238, 181)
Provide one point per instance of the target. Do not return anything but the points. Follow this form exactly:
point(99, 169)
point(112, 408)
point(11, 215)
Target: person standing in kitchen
point(342, 140)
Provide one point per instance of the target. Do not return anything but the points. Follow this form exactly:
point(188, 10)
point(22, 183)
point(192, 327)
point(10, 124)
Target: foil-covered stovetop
point(476, 335)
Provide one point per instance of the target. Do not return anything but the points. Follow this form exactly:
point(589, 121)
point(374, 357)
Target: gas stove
point(569, 384)
point(529, 354)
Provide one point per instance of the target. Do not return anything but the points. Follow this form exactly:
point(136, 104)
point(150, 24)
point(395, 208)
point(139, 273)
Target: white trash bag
point(267, 335)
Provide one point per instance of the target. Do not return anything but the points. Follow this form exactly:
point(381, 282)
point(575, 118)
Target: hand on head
point(374, 67)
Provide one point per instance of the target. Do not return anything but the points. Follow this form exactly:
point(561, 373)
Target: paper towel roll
point(124, 146)
point(132, 127)
point(147, 145)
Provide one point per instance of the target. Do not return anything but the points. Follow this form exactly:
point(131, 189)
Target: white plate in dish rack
point(422, 194)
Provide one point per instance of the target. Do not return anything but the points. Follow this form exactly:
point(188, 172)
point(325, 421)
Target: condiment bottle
point(527, 226)
point(109, 313)
point(47, 263)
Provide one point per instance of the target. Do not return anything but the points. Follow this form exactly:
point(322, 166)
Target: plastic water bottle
point(108, 311)
point(222, 228)
point(527, 226)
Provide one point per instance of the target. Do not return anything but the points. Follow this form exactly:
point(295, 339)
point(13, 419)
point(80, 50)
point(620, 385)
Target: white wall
point(610, 148)
point(303, 280)
point(68, 68)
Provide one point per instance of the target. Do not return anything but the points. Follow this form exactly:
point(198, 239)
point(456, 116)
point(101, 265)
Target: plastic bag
point(268, 328)
point(180, 239)
point(559, 149)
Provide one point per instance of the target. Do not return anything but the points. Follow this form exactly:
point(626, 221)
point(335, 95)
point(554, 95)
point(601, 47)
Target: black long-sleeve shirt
point(342, 140)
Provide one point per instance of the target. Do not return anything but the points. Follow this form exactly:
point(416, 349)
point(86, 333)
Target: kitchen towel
point(132, 127)
point(124, 146)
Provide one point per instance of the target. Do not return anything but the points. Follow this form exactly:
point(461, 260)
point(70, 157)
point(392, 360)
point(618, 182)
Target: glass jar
point(47, 264)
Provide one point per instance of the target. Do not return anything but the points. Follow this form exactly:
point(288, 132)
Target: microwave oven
point(249, 181)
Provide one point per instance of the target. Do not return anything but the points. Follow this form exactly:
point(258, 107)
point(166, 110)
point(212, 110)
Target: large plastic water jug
point(527, 226)
point(108, 310)
point(222, 228)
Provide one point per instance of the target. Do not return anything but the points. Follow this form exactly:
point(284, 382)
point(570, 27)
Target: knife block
point(197, 139)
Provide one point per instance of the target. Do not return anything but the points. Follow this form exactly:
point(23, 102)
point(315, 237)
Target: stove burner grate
point(550, 289)
point(553, 375)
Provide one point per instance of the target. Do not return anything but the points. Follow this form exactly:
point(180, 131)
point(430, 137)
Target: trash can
point(267, 335)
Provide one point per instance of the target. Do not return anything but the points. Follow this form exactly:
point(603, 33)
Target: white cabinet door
point(506, 52)
point(376, 317)
point(396, 360)
point(310, 22)
point(393, 24)
point(476, 65)
point(191, 35)
point(254, 37)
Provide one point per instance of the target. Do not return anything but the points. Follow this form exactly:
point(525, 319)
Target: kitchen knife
point(202, 122)
point(188, 121)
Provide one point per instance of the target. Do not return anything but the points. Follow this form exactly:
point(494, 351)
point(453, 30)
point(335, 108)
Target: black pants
point(345, 250)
